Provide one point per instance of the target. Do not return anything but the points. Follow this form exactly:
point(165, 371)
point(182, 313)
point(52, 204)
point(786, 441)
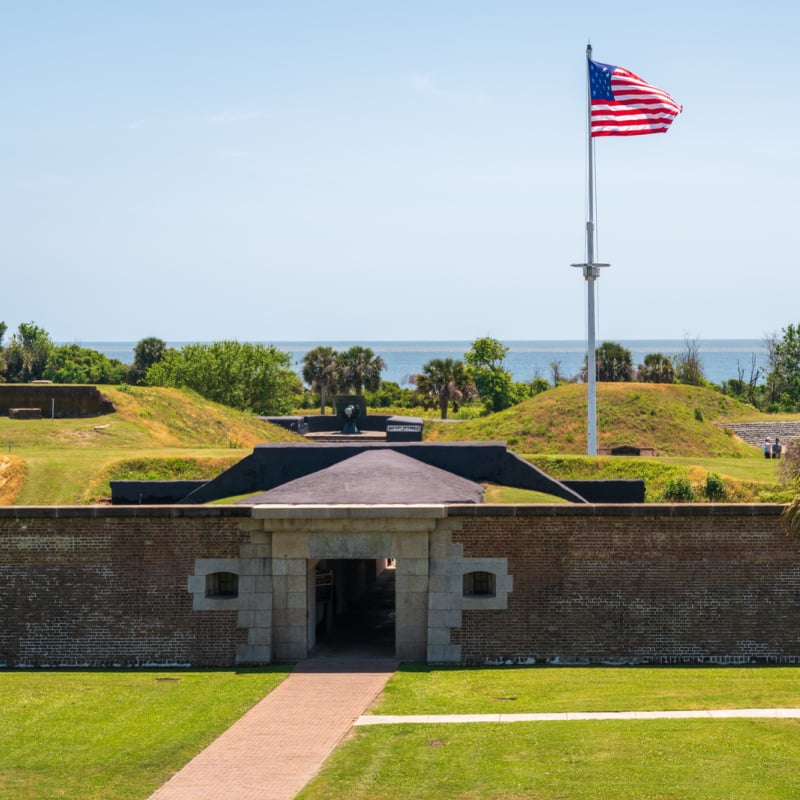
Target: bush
point(538, 385)
point(251, 377)
point(679, 490)
point(715, 488)
point(390, 394)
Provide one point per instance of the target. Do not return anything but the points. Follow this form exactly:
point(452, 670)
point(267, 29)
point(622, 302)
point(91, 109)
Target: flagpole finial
point(589, 50)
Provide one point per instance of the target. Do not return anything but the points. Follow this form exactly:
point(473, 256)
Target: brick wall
point(108, 587)
point(638, 583)
point(55, 399)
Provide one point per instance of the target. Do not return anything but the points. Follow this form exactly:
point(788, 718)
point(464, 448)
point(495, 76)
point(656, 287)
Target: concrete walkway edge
point(571, 716)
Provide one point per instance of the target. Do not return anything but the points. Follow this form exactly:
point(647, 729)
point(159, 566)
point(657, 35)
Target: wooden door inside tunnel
point(353, 607)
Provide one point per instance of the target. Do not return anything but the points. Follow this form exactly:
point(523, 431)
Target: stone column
point(289, 596)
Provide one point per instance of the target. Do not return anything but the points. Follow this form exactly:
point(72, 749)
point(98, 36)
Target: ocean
point(722, 359)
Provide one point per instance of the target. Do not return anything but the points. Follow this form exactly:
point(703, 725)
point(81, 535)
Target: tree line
point(260, 378)
point(775, 388)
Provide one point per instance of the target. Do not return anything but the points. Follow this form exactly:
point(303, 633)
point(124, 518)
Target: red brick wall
point(108, 586)
point(639, 583)
point(103, 587)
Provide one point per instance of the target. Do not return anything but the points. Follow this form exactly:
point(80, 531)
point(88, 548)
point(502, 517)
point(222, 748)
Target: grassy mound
point(173, 417)
point(155, 432)
point(675, 420)
point(743, 480)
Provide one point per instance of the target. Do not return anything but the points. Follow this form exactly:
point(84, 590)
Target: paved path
point(722, 713)
point(281, 743)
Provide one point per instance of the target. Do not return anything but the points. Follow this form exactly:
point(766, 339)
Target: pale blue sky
point(372, 171)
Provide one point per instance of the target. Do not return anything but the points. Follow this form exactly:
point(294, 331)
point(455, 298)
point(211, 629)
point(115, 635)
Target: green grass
point(155, 432)
point(418, 689)
point(747, 480)
point(168, 434)
point(67, 477)
point(652, 760)
point(661, 416)
point(114, 735)
point(97, 735)
point(630, 760)
point(512, 496)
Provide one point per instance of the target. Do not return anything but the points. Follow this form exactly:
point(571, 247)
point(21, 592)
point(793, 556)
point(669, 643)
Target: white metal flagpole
point(591, 272)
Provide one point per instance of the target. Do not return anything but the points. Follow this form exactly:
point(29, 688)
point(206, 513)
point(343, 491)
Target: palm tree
point(614, 363)
point(447, 381)
point(358, 369)
point(319, 372)
point(147, 352)
point(657, 368)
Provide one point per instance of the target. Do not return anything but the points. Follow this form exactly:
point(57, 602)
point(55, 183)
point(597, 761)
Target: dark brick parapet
point(660, 510)
point(123, 512)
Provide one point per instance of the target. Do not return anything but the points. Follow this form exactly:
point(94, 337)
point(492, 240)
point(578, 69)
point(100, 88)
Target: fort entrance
point(353, 612)
point(345, 577)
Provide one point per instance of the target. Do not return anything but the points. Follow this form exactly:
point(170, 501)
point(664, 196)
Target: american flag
point(625, 105)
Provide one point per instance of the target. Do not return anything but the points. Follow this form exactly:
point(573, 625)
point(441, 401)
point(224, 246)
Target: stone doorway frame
point(301, 535)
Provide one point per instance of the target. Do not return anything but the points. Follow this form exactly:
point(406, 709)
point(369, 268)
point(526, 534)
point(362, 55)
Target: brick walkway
point(281, 743)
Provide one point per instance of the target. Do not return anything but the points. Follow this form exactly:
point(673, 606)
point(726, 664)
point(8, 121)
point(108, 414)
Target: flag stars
point(631, 108)
point(600, 80)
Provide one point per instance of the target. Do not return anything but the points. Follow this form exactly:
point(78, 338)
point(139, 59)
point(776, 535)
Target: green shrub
point(472, 411)
point(715, 487)
point(698, 415)
point(538, 385)
point(679, 490)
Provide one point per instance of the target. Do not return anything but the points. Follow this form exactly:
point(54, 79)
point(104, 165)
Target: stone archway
point(302, 536)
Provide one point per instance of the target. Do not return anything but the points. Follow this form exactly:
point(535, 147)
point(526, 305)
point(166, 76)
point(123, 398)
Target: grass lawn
point(636, 760)
point(652, 760)
point(69, 461)
point(114, 735)
point(68, 477)
point(418, 689)
point(508, 494)
point(747, 480)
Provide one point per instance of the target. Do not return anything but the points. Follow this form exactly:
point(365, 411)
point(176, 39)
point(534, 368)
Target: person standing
point(767, 448)
point(777, 447)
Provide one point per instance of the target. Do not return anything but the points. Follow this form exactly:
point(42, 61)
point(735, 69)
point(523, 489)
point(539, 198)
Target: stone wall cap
point(418, 511)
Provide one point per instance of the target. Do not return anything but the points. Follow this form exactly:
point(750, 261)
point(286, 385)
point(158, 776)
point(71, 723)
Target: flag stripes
point(622, 104)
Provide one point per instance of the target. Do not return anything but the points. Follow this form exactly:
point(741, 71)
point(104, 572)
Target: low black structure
point(152, 493)
point(611, 491)
point(272, 465)
point(396, 428)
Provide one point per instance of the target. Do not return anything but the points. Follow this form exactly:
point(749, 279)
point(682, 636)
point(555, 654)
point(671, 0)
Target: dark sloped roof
point(374, 477)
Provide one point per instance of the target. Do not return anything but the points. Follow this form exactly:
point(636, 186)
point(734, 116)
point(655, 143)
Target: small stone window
point(479, 584)
point(222, 584)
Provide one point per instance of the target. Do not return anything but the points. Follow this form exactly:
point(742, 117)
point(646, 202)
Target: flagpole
point(591, 272)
